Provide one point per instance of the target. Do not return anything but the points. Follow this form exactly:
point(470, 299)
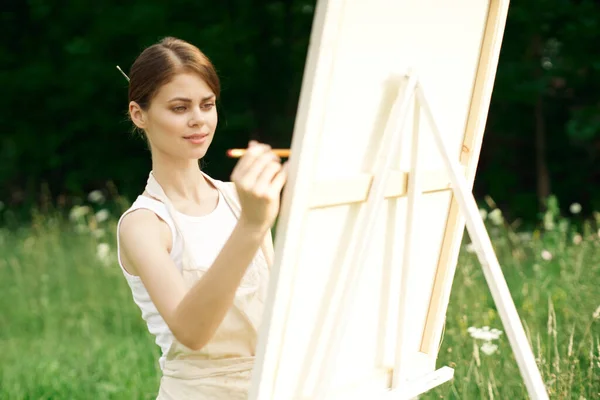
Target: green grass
point(69, 328)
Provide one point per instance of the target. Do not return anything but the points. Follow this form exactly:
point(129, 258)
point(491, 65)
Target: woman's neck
point(181, 180)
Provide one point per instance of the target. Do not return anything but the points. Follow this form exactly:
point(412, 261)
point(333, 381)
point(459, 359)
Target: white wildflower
point(577, 239)
point(487, 335)
point(575, 208)
point(489, 348)
point(483, 212)
point(470, 248)
point(102, 215)
point(546, 255)
point(484, 333)
point(496, 217)
point(98, 233)
point(78, 212)
point(102, 252)
point(96, 196)
point(596, 314)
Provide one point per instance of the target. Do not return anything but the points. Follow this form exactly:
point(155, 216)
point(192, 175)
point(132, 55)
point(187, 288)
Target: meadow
point(69, 328)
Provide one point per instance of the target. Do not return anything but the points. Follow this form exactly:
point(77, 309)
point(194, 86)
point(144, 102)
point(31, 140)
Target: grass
point(69, 328)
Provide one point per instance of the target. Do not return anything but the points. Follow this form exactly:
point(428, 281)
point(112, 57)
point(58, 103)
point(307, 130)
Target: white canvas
point(359, 55)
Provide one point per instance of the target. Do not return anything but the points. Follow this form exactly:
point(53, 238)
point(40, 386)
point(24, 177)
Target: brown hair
point(159, 63)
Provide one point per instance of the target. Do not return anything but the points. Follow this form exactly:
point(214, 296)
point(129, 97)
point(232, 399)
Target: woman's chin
point(197, 154)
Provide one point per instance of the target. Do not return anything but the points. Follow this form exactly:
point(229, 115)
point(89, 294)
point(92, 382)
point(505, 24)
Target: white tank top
point(205, 237)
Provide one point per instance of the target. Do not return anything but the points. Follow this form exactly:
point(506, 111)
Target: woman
point(195, 250)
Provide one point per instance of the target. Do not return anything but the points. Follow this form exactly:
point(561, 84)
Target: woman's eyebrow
point(185, 99)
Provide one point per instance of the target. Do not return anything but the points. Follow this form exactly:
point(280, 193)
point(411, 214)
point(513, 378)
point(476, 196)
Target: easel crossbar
point(355, 189)
point(412, 389)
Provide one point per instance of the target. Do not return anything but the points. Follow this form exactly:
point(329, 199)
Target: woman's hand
point(259, 177)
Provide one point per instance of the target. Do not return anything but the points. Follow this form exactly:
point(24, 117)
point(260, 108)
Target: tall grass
point(554, 277)
point(69, 328)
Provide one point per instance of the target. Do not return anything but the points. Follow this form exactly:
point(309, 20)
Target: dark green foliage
point(63, 104)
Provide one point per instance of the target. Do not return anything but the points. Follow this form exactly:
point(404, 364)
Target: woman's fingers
point(259, 172)
point(265, 178)
point(278, 181)
point(250, 177)
point(247, 160)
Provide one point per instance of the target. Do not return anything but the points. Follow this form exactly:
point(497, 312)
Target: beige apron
point(222, 368)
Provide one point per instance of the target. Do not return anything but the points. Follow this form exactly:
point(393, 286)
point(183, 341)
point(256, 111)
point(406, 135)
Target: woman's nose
point(197, 117)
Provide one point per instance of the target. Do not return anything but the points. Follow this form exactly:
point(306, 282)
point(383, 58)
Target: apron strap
point(229, 192)
point(156, 191)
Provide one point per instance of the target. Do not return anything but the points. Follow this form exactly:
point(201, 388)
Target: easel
point(331, 204)
point(401, 388)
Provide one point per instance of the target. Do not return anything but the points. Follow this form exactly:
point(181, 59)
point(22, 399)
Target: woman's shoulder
point(145, 212)
point(145, 223)
point(147, 202)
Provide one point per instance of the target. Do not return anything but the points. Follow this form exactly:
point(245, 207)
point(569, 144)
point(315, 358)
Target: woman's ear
point(137, 115)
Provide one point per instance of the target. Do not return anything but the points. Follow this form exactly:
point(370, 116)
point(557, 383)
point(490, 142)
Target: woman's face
point(181, 119)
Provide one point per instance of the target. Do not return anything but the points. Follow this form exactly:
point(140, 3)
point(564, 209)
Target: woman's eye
point(179, 108)
point(208, 106)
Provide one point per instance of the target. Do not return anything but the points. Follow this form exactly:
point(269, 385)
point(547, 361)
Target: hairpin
point(125, 75)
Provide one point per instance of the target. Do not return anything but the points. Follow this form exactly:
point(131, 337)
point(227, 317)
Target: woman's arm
point(193, 316)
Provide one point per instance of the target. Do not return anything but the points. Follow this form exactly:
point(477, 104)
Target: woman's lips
point(196, 139)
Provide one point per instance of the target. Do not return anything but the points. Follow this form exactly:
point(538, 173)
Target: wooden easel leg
point(489, 262)
point(414, 191)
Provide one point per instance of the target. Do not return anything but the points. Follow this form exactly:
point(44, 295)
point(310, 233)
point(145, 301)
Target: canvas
point(366, 248)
